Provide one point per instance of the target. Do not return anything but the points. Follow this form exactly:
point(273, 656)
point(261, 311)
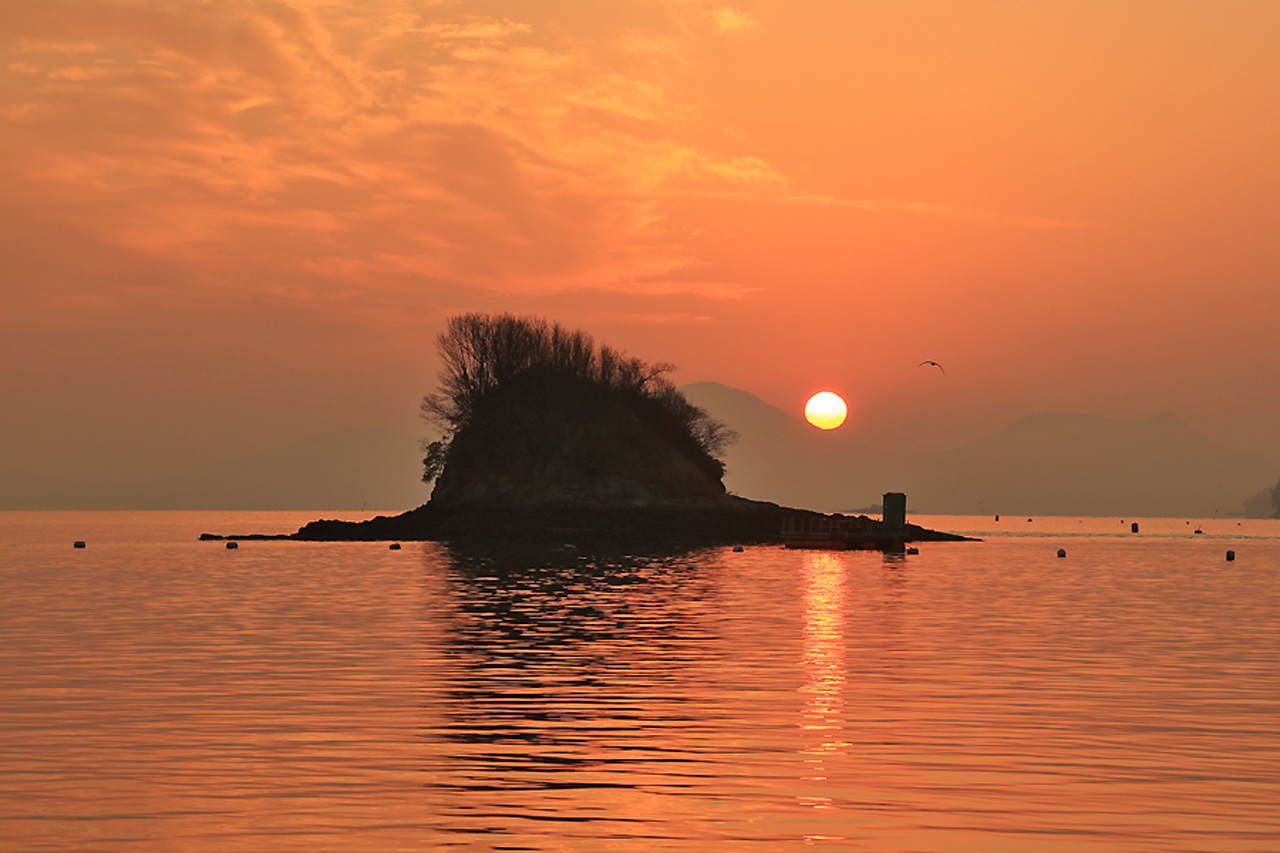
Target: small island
point(549, 438)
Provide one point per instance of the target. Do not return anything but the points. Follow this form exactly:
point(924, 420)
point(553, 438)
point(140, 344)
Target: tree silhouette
point(482, 352)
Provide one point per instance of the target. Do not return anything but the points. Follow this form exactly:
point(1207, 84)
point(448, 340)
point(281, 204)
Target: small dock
point(838, 532)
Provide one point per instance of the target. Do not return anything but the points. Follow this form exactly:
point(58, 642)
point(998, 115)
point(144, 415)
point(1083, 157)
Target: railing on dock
point(834, 525)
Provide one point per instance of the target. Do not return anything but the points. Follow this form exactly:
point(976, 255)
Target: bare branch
point(480, 352)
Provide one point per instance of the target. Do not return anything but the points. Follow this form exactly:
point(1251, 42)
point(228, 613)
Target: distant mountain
point(1057, 464)
point(1262, 504)
point(779, 457)
point(367, 468)
point(24, 489)
point(1047, 464)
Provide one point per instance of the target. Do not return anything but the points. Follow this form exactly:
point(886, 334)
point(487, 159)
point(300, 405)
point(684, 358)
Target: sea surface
point(158, 693)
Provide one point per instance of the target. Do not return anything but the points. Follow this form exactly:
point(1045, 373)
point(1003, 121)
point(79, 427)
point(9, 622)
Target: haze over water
point(162, 693)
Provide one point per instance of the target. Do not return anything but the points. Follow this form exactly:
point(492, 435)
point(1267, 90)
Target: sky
point(228, 225)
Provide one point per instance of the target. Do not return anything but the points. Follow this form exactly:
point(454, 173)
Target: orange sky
point(228, 224)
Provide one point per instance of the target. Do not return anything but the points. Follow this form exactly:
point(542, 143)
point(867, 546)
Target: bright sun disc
point(825, 410)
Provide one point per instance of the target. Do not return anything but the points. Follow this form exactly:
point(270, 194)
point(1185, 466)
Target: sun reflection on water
point(823, 663)
point(163, 693)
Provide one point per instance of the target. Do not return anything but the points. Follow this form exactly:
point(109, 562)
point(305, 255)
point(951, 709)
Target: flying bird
point(934, 363)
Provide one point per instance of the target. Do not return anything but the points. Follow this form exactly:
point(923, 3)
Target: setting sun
point(825, 410)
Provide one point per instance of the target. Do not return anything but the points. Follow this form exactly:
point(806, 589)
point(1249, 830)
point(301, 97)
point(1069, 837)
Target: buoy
point(913, 550)
point(233, 545)
point(1134, 527)
point(737, 549)
point(1028, 519)
point(997, 518)
point(77, 544)
point(1062, 552)
point(1231, 556)
point(395, 546)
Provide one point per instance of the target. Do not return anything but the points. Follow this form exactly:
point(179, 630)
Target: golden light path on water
point(162, 694)
point(824, 669)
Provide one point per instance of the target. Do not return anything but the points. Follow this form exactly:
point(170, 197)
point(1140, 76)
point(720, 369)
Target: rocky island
point(549, 438)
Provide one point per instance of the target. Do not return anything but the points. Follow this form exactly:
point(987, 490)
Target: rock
point(544, 439)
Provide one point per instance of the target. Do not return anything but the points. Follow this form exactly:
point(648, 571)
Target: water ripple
point(163, 694)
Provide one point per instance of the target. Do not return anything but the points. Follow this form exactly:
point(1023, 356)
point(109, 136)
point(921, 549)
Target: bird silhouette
point(934, 363)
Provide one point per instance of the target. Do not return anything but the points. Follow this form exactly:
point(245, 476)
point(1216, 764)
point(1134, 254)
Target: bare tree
point(480, 352)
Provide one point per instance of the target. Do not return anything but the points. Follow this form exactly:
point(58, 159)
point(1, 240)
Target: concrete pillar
point(895, 511)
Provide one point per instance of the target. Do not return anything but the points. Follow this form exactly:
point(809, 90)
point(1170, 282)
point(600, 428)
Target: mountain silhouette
point(779, 457)
point(1071, 464)
point(1044, 464)
point(362, 468)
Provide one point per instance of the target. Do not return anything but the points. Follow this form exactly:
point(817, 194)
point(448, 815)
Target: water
point(163, 694)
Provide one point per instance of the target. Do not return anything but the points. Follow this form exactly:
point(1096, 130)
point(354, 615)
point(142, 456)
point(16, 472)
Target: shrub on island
point(533, 414)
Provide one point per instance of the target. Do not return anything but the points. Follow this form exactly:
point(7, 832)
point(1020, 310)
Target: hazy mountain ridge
point(779, 457)
point(1044, 464)
point(361, 468)
point(1060, 464)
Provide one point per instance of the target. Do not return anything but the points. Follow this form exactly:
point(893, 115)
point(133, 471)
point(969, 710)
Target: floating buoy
point(997, 518)
point(1134, 527)
point(913, 550)
point(1231, 556)
point(737, 549)
point(233, 545)
point(395, 546)
point(1062, 552)
point(1028, 519)
point(77, 544)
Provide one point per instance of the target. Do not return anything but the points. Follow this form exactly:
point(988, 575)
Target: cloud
point(648, 319)
point(388, 148)
point(936, 209)
point(492, 31)
point(708, 289)
point(728, 19)
point(368, 144)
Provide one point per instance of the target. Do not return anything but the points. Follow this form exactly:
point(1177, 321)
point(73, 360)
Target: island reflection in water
point(165, 694)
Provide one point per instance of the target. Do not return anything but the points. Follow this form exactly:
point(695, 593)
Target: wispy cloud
point(388, 146)
point(937, 209)
point(354, 142)
point(729, 19)
point(648, 319)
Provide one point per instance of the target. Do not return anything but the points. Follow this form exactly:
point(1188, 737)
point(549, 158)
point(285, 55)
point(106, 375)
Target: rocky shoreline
point(549, 439)
point(675, 524)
